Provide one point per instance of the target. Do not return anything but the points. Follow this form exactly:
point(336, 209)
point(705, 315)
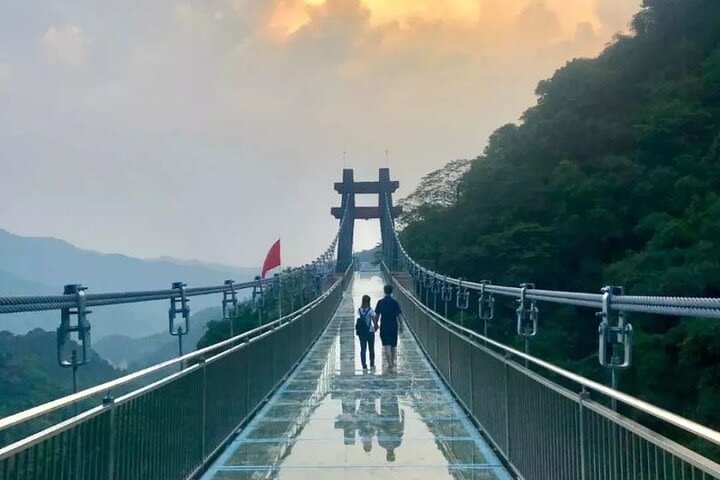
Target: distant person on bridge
point(365, 330)
point(390, 316)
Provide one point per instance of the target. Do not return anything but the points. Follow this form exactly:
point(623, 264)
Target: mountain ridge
point(43, 265)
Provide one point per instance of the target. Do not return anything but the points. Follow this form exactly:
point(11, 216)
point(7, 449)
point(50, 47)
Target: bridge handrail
point(56, 302)
point(645, 407)
point(141, 296)
point(68, 400)
point(707, 307)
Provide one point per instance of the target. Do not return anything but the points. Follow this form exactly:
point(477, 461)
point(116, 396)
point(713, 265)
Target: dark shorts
point(389, 339)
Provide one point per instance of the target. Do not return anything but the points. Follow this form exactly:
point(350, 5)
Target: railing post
point(78, 448)
point(184, 311)
point(230, 298)
point(109, 402)
point(582, 397)
point(82, 329)
point(615, 337)
point(471, 401)
point(427, 287)
point(278, 279)
point(434, 289)
point(462, 300)
point(527, 317)
point(486, 306)
point(258, 297)
point(203, 368)
point(446, 294)
point(449, 359)
point(507, 407)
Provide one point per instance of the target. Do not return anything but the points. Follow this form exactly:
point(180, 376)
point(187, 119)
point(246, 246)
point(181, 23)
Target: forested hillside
point(296, 291)
point(136, 353)
point(612, 178)
point(30, 374)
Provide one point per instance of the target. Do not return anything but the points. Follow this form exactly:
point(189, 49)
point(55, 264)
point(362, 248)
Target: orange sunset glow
point(289, 16)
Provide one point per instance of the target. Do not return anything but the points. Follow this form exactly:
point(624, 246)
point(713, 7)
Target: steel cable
point(662, 305)
point(38, 303)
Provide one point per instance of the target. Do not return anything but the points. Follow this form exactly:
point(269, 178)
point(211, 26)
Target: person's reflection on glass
point(347, 419)
point(391, 425)
point(366, 418)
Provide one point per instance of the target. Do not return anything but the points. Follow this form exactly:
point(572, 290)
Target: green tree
point(613, 177)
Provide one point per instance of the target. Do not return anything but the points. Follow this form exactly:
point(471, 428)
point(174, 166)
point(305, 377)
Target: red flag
point(272, 259)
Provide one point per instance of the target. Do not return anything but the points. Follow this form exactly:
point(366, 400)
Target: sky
point(208, 129)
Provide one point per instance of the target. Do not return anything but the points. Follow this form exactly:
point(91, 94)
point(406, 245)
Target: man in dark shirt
point(391, 322)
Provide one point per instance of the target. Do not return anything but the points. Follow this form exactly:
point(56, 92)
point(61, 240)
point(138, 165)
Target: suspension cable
point(663, 305)
point(17, 304)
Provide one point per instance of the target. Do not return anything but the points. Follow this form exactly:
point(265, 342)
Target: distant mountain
point(11, 285)
point(36, 266)
point(136, 353)
point(54, 262)
point(123, 351)
point(195, 263)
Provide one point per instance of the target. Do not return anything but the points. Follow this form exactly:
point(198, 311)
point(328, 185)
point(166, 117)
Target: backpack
point(361, 328)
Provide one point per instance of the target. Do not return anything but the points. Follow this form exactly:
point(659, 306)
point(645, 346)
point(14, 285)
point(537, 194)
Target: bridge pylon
point(385, 212)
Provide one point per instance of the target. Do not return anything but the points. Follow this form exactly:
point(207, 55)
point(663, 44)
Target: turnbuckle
point(615, 336)
point(446, 292)
point(277, 287)
point(322, 264)
point(415, 274)
point(229, 298)
point(81, 328)
point(435, 286)
point(258, 293)
point(527, 313)
point(318, 284)
point(310, 279)
point(462, 299)
point(428, 281)
point(179, 305)
point(486, 302)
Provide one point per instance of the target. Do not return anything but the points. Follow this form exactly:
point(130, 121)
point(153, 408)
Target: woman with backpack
point(365, 330)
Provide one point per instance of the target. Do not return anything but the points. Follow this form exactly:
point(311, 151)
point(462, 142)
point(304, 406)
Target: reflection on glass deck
point(331, 420)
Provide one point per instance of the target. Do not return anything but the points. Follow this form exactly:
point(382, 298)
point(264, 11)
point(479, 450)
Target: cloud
point(538, 23)
point(67, 45)
point(615, 15)
point(239, 100)
point(215, 66)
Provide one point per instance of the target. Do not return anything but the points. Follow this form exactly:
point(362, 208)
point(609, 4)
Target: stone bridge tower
point(385, 211)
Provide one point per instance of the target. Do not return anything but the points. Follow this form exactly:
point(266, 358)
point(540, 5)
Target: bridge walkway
point(331, 420)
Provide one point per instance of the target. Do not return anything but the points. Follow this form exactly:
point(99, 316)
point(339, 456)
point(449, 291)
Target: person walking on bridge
point(365, 331)
point(388, 313)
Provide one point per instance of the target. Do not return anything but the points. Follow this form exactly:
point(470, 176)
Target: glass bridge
point(332, 420)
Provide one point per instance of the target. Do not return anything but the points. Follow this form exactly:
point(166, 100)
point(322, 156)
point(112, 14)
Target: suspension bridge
point(288, 399)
